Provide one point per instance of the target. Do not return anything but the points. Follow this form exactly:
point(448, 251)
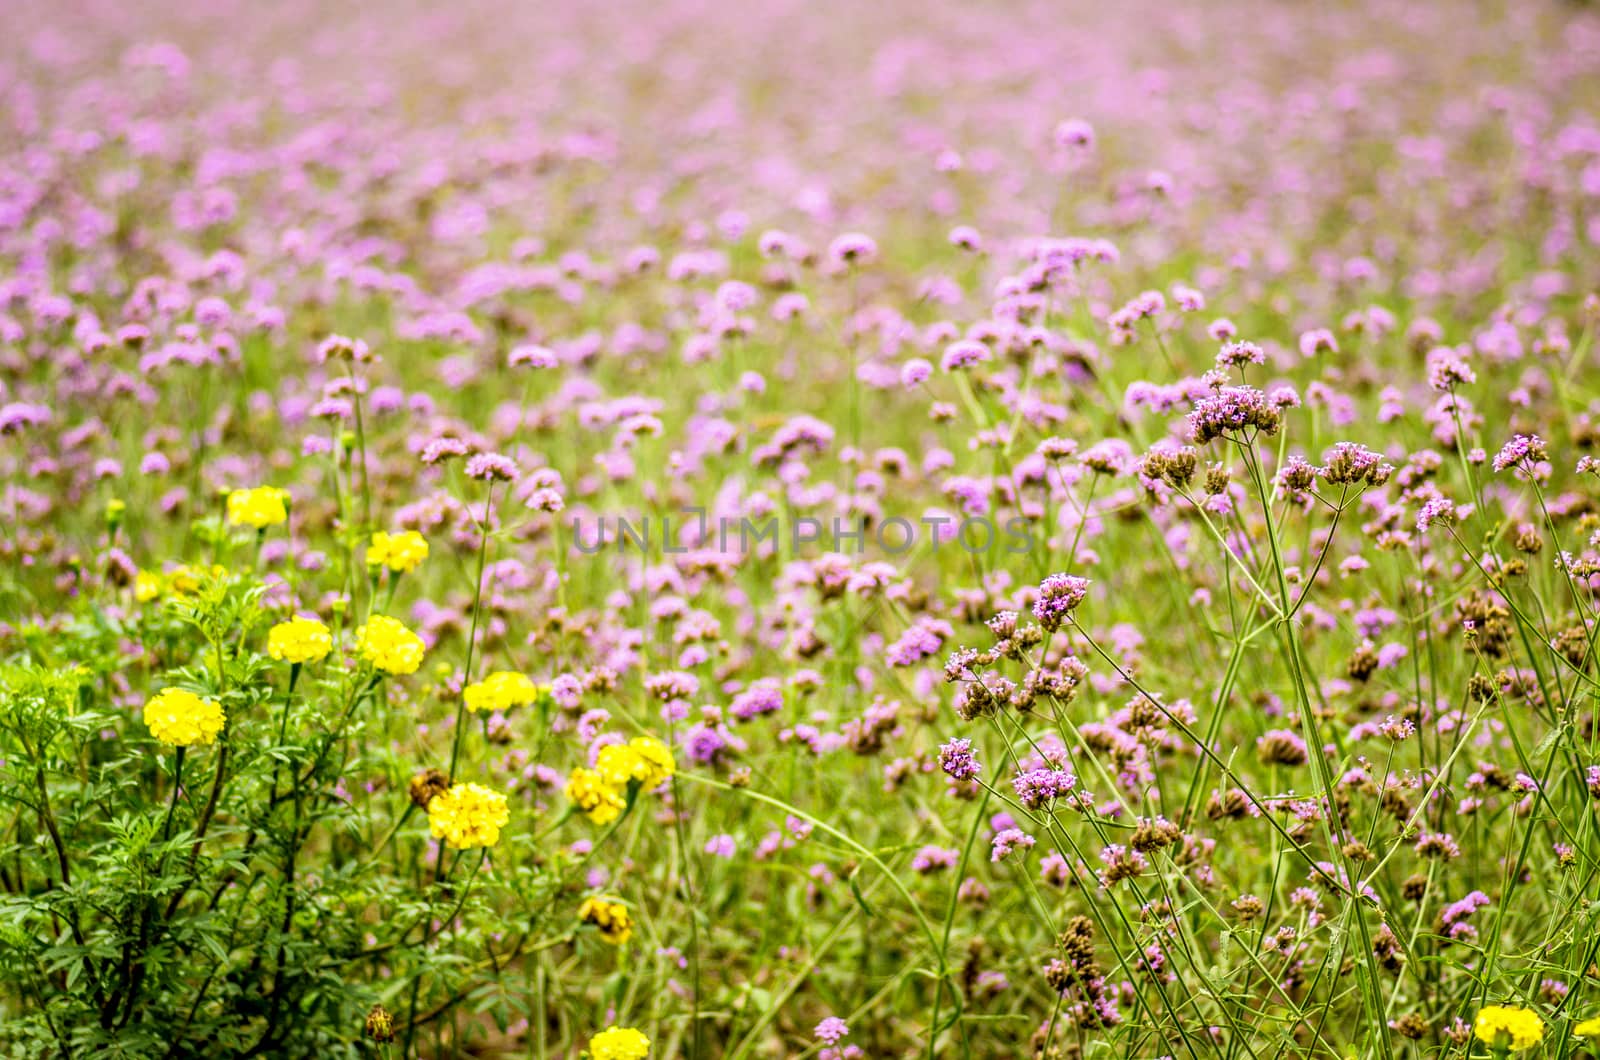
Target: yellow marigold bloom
point(645, 759)
point(615, 763)
point(658, 761)
point(619, 1043)
point(146, 586)
point(1502, 1025)
point(467, 816)
point(389, 646)
point(402, 552)
point(589, 791)
point(185, 579)
point(610, 916)
point(260, 507)
point(501, 690)
point(1589, 1028)
point(179, 718)
point(299, 640)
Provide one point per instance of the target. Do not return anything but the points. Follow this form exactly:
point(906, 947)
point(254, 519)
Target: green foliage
point(222, 900)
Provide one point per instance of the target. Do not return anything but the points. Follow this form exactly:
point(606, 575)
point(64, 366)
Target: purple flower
point(1520, 449)
point(966, 237)
point(1438, 510)
point(20, 415)
point(533, 357)
point(438, 450)
point(1036, 787)
point(1007, 842)
point(1074, 132)
point(1234, 354)
point(957, 760)
point(1230, 410)
point(762, 697)
point(1320, 340)
point(915, 372)
point(566, 690)
point(333, 408)
point(1437, 845)
point(1455, 912)
point(933, 859)
point(341, 348)
point(1059, 596)
point(707, 743)
point(491, 467)
point(923, 640)
point(831, 1030)
point(1448, 369)
point(964, 354)
point(852, 248)
point(1349, 464)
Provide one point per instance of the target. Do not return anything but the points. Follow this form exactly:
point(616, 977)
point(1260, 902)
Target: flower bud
point(380, 1025)
point(428, 784)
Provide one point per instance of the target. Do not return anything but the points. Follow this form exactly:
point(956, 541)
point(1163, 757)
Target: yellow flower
point(1589, 1028)
point(185, 579)
point(389, 646)
point(645, 759)
point(260, 507)
point(619, 1043)
point(610, 916)
point(1502, 1025)
point(501, 690)
point(146, 586)
point(467, 816)
point(402, 552)
point(589, 791)
point(299, 640)
point(179, 718)
point(658, 761)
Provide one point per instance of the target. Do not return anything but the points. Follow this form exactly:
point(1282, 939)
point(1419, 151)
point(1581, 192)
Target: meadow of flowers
point(799, 529)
